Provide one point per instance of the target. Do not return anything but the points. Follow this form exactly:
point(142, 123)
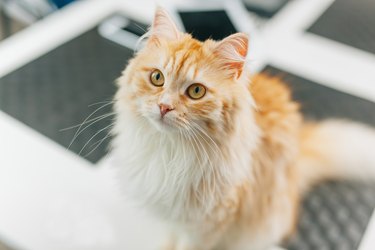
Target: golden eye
point(196, 91)
point(157, 78)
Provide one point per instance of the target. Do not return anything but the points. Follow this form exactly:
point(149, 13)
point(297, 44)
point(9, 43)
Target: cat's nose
point(164, 109)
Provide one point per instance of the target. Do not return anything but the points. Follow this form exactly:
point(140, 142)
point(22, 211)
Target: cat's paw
point(276, 248)
point(168, 246)
point(183, 247)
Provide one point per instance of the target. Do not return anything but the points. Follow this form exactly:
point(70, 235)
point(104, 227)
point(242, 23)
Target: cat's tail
point(336, 149)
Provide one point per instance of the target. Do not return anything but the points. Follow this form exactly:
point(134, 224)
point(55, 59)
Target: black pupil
point(157, 76)
point(196, 90)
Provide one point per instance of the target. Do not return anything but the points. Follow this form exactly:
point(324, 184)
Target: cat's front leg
point(181, 245)
point(276, 248)
point(169, 244)
point(197, 239)
point(186, 244)
point(204, 233)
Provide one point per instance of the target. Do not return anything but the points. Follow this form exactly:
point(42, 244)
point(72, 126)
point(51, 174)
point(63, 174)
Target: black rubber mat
point(334, 215)
point(214, 24)
point(349, 22)
point(54, 91)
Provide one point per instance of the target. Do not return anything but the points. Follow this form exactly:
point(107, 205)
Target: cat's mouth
point(164, 124)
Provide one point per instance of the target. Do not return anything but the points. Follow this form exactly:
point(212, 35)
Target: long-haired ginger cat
point(221, 157)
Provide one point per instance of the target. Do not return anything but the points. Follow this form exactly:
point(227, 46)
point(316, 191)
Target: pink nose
point(164, 109)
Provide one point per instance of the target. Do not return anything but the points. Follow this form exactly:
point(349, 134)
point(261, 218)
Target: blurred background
point(59, 60)
point(16, 15)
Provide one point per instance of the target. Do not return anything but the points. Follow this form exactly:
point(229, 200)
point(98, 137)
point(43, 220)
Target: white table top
point(52, 199)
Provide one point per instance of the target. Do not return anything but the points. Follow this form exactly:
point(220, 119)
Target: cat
point(220, 156)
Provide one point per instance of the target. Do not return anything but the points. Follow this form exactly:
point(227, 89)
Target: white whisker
point(92, 137)
point(91, 120)
point(78, 132)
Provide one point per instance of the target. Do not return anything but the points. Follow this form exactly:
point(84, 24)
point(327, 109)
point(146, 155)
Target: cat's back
point(275, 109)
point(271, 94)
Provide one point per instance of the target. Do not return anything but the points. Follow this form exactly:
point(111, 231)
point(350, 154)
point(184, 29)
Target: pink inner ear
point(163, 27)
point(233, 51)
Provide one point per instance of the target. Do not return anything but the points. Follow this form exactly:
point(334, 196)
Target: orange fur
point(237, 179)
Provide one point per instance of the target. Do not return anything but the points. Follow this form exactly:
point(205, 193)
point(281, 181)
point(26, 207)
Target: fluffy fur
point(225, 171)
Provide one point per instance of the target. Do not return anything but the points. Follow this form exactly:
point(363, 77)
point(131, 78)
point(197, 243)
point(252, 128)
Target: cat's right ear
point(233, 51)
point(163, 28)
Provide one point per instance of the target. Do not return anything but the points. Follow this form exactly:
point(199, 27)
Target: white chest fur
point(176, 176)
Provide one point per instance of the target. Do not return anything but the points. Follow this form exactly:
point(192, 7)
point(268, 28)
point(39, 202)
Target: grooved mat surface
point(349, 22)
point(334, 216)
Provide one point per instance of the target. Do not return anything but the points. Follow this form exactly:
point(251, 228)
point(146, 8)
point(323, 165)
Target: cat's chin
point(164, 125)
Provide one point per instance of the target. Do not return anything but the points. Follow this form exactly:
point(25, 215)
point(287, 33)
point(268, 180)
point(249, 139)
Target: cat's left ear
point(163, 27)
point(232, 52)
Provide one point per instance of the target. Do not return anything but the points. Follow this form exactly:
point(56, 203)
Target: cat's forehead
point(181, 61)
point(185, 59)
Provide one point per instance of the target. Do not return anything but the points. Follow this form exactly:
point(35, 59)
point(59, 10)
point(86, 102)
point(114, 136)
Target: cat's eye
point(157, 78)
point(196, 91)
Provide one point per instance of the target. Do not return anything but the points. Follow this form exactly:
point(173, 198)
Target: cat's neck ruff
point(180, 177)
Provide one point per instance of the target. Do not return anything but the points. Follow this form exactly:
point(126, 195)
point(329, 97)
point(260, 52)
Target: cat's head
point(176, 82)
